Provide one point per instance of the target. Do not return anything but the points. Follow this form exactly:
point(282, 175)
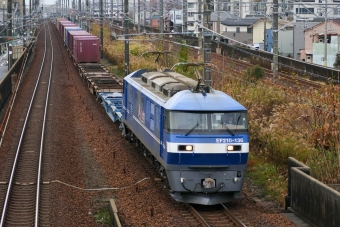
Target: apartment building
point(309, 9)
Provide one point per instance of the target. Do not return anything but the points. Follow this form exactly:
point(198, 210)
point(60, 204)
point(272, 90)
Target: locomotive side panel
point(141, 118)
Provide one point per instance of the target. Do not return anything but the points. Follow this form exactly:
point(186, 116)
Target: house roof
point(318, 19)
point(223, 16)
point(155, 16)
point(254, 16)
point(282, 23)
point(336, 20)
point(250, 22)
point(239, 22)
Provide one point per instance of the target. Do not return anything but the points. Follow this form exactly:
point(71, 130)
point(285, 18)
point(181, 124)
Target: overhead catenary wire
point(250, 53)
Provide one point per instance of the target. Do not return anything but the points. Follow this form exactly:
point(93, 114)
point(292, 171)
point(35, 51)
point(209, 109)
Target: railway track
point(291, 81)
point(23, 193)
point(215, 216)
point(197, 215)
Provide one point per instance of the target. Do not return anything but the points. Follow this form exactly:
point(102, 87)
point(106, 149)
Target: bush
point(255, 73)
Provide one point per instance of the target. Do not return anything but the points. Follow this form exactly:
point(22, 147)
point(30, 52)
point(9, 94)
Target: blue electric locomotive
point(195, 136)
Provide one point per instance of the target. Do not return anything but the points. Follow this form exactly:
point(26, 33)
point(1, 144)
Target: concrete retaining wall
point(311, 198)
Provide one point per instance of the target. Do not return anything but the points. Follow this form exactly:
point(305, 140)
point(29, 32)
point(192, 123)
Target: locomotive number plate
point(229, 140)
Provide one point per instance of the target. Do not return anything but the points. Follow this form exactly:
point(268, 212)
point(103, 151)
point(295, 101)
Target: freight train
point(196, 137)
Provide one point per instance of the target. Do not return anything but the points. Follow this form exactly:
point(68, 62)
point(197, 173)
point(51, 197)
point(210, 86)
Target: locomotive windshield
point(206, 122)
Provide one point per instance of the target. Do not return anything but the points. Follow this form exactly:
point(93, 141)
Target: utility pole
point(134, 14)
point(207, 43)
point(138, 26)
point(200, 21)
point(119, 12)
point(9, 33)
point(9, 18)
point(30, 16)
point(275, 39)
point(123, 7)
point(87, 16)
point(79, 13)
point(218, 50)
point(144, 16)
point(185, 16)
point(161, 18)
point(101, 29)
point(264, 28)
point(3, 11)
point(24, 21)
point(111, 10)
point(325, 36)
point(126, 31)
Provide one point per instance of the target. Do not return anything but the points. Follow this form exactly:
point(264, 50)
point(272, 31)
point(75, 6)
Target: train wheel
point(166, 183)
point(127, 134)
point(157, 165)
point(132, 137)
point(145, 151)
point(165, 178)
point(141, 148)
point(137, 143)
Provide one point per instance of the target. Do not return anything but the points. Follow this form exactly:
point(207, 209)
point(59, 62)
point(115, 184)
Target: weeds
point(269, 177)
point(103, 217)
point(255, 73)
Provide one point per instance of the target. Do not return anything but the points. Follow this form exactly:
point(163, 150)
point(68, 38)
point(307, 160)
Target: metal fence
point(8, 82)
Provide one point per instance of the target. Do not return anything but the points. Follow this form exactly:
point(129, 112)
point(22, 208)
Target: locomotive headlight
point(230, 147)
point(233, 148)
point(185, 147)
point(189, 148)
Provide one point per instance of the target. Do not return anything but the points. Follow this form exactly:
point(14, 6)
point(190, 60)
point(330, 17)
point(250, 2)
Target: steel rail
point(232, 217)
point(225, 210)
point(43, 133)
point(197, 215)
point(3, 216)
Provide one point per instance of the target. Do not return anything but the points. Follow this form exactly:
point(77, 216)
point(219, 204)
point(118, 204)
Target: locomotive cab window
point(229, 120)
point(205, 122)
